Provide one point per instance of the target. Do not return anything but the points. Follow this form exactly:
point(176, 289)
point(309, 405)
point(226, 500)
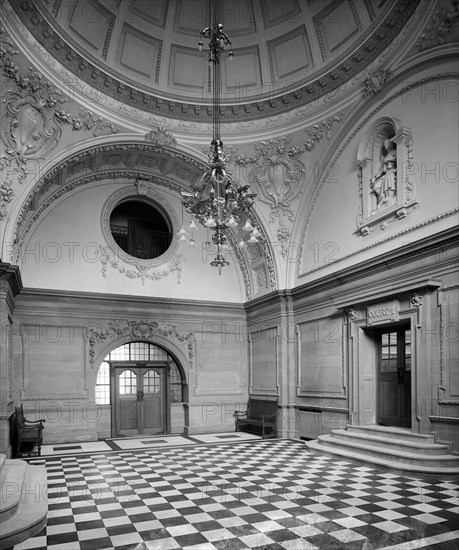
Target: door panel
point(153, 400)
point(127, 405)
point(394, 407)
point(139, 399)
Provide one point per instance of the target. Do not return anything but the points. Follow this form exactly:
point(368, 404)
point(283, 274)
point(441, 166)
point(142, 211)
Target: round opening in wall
point(141, 229)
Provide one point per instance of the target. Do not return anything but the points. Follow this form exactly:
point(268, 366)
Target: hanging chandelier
point(216, 201)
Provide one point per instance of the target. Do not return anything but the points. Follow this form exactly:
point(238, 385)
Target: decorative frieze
point(114, 330)
point(140, 270)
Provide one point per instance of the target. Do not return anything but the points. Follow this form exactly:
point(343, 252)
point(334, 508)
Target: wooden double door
point(139, 398)
point(394, 377)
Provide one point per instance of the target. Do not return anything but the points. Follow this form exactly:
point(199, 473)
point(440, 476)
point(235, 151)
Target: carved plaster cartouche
point(32, 120)
point(135, 330)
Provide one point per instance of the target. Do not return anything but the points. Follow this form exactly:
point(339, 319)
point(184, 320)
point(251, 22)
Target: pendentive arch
point(133, 161)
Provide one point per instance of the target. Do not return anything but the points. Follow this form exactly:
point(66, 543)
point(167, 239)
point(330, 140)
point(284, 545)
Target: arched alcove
point(141, 389)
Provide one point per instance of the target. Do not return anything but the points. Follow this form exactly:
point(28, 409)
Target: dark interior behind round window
point(140, 229)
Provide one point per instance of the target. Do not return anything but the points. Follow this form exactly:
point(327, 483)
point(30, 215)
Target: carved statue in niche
point(386, 189)
point(384, 183)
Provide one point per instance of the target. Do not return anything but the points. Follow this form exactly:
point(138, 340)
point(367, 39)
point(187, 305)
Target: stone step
point(449, 472)
point(391, 433)
point(408, 444)
point(11, 480)
point(32, 509)
point(388, 451)
point(396, 458)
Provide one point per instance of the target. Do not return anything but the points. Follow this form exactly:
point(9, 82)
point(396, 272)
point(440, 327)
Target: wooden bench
point(260, 417)
point(26, 435)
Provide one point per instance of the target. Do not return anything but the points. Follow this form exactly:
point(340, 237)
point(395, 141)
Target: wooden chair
point(26, 435)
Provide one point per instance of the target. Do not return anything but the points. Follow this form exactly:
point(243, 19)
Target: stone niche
point(385, 168)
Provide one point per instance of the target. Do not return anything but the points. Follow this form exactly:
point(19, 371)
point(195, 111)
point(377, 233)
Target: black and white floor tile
point(124, 443)
point(257, 494)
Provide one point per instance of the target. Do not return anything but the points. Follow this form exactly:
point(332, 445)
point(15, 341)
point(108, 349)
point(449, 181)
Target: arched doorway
point(144, 386)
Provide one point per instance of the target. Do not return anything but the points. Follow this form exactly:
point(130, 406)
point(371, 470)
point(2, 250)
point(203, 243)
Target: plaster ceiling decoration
point(144, 52)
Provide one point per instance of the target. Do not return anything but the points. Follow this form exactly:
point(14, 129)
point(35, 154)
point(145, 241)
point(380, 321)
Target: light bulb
point(182, 238)
point(255, 232)
point(247, 226)
point(192, 242)
point(193, 225)
point(242, 243)
point(210, 222)
point(182, 231)
point(252, 240)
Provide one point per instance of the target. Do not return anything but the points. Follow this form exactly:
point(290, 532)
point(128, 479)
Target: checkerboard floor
point(265, 494)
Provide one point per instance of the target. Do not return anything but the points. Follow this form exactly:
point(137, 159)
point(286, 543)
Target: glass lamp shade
point(231, 222)
point(247, 226)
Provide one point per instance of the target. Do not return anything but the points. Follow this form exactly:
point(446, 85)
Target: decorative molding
point(114, 255)
point(24, 333)
point(276, 174)
point(425, 223)
point(41, 25)
point(299, 390)
point(331, 167)
point(65, 177)
point(276, 365)
point(241, 260)
point(443, 386)
point(386, 188)
point(353, 314)
point(375, 82)
point(160, 136)
point(416, 299)
point(317, 132)
point(33, 118)
point(443, 22)
point(142, 269)
point(135, 330)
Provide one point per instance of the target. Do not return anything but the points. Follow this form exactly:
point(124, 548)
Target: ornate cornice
point(39, 22)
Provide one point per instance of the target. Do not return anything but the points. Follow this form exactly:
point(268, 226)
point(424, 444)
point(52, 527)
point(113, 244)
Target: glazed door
point(152, 400)
point(394, 407)
point(139, 399)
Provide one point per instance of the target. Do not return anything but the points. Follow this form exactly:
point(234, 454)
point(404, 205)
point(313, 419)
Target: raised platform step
point(11, 479)
point(26, 505)
point(395, 448)
point(391, 433)
point(408, 444)
point(378, 461)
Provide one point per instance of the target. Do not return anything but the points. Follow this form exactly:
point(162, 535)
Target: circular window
point(140, 229)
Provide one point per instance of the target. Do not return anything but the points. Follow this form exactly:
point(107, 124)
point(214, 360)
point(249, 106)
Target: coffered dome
point(144, 52)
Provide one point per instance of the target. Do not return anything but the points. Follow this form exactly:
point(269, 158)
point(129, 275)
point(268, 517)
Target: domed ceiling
point(144, 52)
